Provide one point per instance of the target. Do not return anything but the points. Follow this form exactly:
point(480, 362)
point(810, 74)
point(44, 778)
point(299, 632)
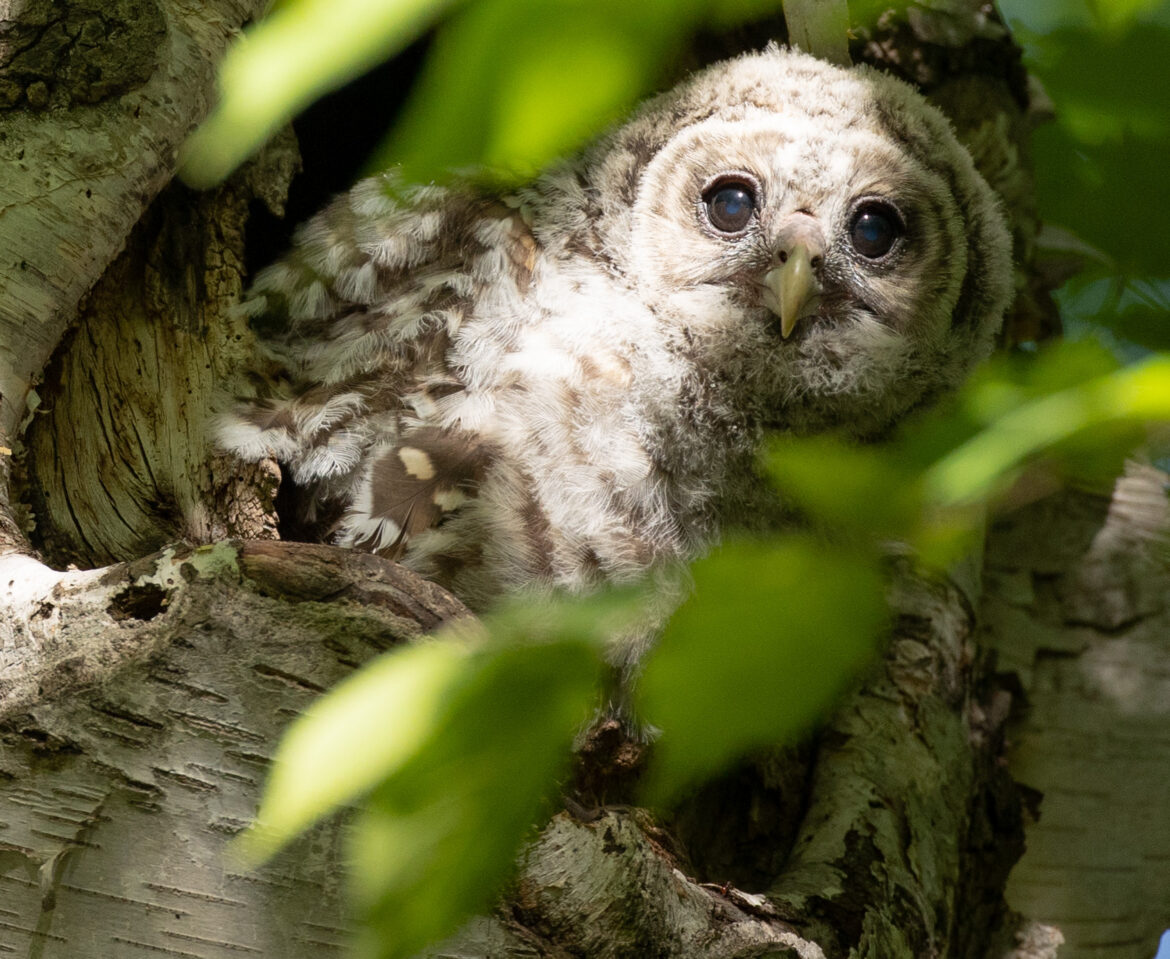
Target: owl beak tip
point(787, 325)
point(792, 288)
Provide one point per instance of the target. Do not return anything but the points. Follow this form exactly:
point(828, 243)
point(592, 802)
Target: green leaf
point(303, 49)
point(1057, 367)
point(1118, 15)
point(1033, 18)
point(1135, 309)
point(843, 485)
point(1023, 425)
point(1102, 164)
point(331, 755)
point(773, 633)
point(1146, 324)
point(438, 838)
point(599, 70)
point(515, 84)
point(365, 729)
point(1028, 18)
point(457, 742)
point(986, 464)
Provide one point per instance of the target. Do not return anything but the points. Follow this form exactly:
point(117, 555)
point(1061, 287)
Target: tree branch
point(139, 708)
point(101, 156)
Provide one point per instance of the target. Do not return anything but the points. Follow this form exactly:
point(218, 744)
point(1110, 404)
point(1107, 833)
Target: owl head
point(815, 237)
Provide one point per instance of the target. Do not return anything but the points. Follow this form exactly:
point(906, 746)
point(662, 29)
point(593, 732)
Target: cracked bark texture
point(139, 707)
point(1077, 609)
point(102, 96)
point(119, 459)
point(140, 700)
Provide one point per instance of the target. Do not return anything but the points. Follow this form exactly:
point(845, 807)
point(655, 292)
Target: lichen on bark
point(56, 54)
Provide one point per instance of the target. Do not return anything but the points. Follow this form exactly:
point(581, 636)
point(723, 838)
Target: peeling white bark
point(1078, 607)
point(76, 180)
point(138, 714)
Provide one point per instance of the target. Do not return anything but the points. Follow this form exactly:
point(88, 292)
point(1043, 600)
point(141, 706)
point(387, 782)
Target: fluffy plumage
point(568, 384)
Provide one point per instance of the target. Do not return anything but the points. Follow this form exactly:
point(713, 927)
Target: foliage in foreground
point(456, 745)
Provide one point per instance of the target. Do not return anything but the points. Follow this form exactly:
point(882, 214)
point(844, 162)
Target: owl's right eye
point(730, 205)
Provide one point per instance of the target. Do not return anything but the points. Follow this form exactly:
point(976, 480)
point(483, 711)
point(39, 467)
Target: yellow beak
point(794, 289)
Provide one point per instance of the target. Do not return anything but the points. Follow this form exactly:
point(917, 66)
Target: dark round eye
point(730, 205)
point(875, 228)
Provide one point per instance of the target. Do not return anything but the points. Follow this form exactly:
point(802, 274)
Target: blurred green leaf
point(436, 840)
point(1145, 324)
point(772, 634)
point(1137, 310)
point(1101, 168)
point(457, 742)
point(845, 485)
point(1056, 367)
point(406, 697)
point(599, 71)
point(510, 84)
point(515, 84)
point(1119, 15)
point(986, 464)
point(926, 487)
point(349, 740)
point(301, 50)
point(1029, 17)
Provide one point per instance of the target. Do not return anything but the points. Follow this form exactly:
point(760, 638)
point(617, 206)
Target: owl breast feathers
point(567, 384)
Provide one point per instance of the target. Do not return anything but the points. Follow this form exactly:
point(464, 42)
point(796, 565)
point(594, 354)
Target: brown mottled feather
point(427, 475)
point(568, 384)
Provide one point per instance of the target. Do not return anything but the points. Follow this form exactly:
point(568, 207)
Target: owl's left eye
point(875, 228)
point(730, 205)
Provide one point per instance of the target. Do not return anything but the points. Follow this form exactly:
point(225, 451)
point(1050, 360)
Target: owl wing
point(354, 328)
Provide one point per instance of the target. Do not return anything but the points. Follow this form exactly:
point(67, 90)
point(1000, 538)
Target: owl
point(566, 384)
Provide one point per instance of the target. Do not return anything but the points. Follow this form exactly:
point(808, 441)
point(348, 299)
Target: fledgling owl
point(567, 384)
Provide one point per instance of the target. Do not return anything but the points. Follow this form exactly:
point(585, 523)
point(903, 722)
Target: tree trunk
point(1076, 610)
point(141, 699)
